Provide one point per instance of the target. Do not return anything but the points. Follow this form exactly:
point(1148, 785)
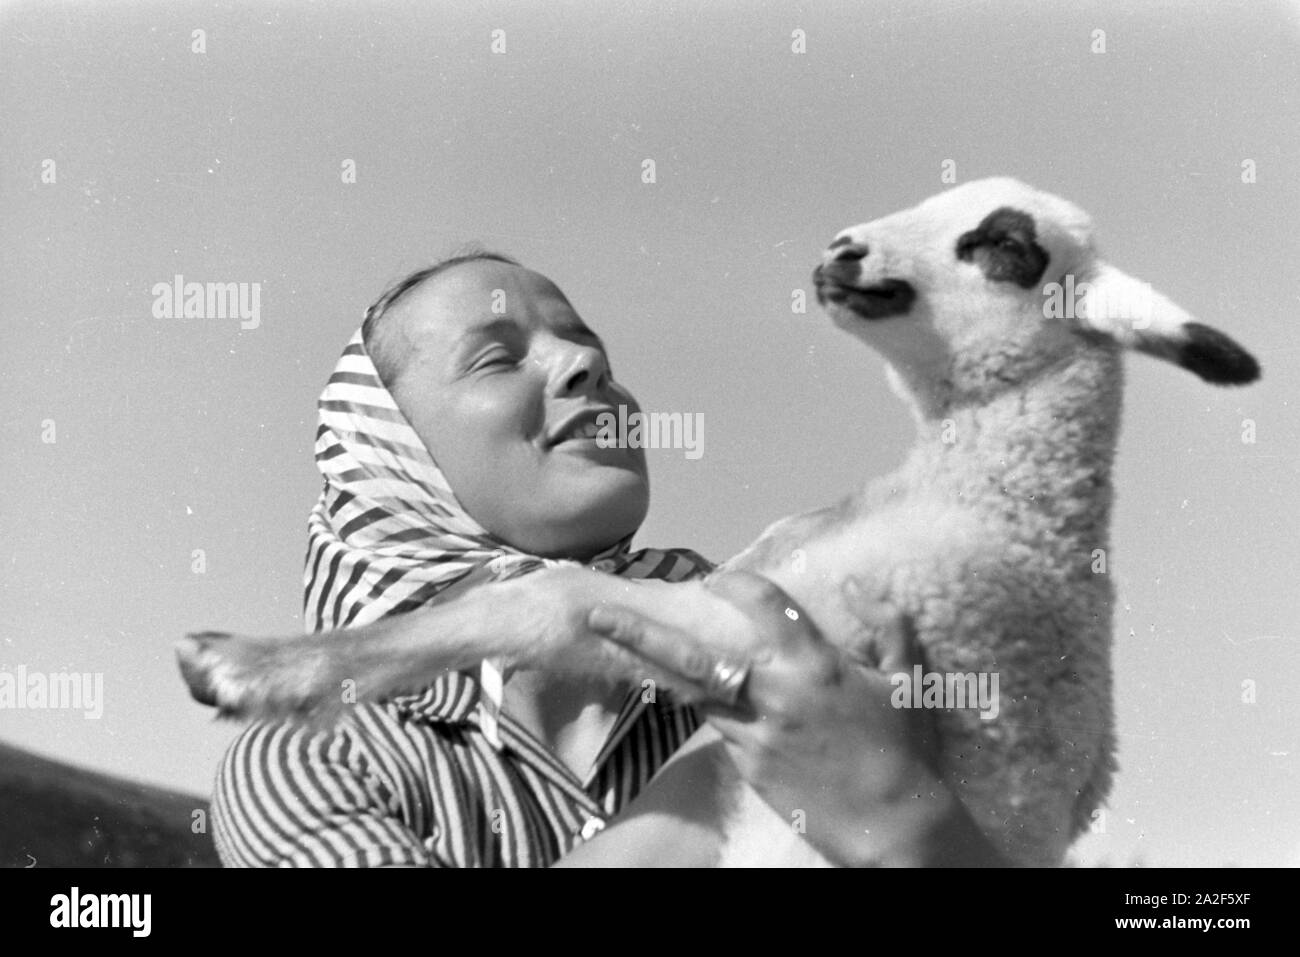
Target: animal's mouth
point(878, 300)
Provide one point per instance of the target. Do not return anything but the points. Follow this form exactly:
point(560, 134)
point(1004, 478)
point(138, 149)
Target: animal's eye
point(1004, 246)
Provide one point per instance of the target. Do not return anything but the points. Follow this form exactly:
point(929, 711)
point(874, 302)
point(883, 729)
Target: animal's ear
point(1135, 315)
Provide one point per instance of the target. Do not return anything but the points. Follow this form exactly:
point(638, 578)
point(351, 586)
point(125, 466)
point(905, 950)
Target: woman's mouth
point(582, 426)
point(587, 430)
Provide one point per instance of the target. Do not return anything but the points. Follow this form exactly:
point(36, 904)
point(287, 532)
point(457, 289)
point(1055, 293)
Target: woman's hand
point(815, 732)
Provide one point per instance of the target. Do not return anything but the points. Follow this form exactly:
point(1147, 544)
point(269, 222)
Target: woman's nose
point(584, 370)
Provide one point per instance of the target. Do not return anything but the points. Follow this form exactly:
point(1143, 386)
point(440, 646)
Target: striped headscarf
point(388, 533)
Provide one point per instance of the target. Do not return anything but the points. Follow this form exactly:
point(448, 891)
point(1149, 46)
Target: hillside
point(58, 815)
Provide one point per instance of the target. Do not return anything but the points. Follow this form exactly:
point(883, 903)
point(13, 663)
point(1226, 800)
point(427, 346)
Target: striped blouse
point(415, 781)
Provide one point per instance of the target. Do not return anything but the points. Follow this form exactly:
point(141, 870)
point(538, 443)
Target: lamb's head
point(981, 287)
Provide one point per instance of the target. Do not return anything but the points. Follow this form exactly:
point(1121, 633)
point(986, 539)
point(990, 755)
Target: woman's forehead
point(470, 294)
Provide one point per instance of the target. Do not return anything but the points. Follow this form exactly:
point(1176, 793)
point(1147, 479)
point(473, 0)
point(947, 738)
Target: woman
point(477, 376)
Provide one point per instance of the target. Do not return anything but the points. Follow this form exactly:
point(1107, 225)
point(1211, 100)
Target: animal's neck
point(1045, 446)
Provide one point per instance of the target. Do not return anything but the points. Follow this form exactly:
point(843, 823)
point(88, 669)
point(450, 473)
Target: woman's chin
point(598, 519)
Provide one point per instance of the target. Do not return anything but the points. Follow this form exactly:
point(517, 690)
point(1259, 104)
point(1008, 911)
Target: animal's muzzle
point(836, 281)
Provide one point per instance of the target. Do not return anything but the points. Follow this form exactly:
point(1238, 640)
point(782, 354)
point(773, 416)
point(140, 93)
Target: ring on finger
point(726, 679)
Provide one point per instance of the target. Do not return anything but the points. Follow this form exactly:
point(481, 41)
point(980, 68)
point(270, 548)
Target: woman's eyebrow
point(486, 328)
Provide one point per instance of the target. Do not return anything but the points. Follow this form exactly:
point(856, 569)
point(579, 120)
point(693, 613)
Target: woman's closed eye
point(495, 359)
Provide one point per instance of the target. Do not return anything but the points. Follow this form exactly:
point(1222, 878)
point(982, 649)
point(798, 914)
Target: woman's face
point(501, 376)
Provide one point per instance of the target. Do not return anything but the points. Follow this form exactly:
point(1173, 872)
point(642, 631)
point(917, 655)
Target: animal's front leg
point(536, 621)
point(528, 619)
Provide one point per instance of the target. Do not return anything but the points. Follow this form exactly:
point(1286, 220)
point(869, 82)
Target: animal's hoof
point(191, 652)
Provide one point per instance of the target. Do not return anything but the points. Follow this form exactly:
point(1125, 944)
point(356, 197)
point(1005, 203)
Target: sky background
point(183, 434)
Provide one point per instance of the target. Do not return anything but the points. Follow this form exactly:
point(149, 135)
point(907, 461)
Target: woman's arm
point(284, 797)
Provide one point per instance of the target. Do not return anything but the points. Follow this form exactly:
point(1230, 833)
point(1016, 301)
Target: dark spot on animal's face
point(1003, 246)
point(1215, 357)
point(884, 299)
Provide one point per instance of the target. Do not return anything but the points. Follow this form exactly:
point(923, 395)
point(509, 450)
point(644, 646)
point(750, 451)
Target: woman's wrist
point(920, 823)
point(915, 826)
point(932, 828)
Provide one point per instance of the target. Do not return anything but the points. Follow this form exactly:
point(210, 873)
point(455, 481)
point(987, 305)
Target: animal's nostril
point(848, 251)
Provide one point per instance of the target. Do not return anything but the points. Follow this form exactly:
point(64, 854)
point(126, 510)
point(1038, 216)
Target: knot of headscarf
point(388, 533)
